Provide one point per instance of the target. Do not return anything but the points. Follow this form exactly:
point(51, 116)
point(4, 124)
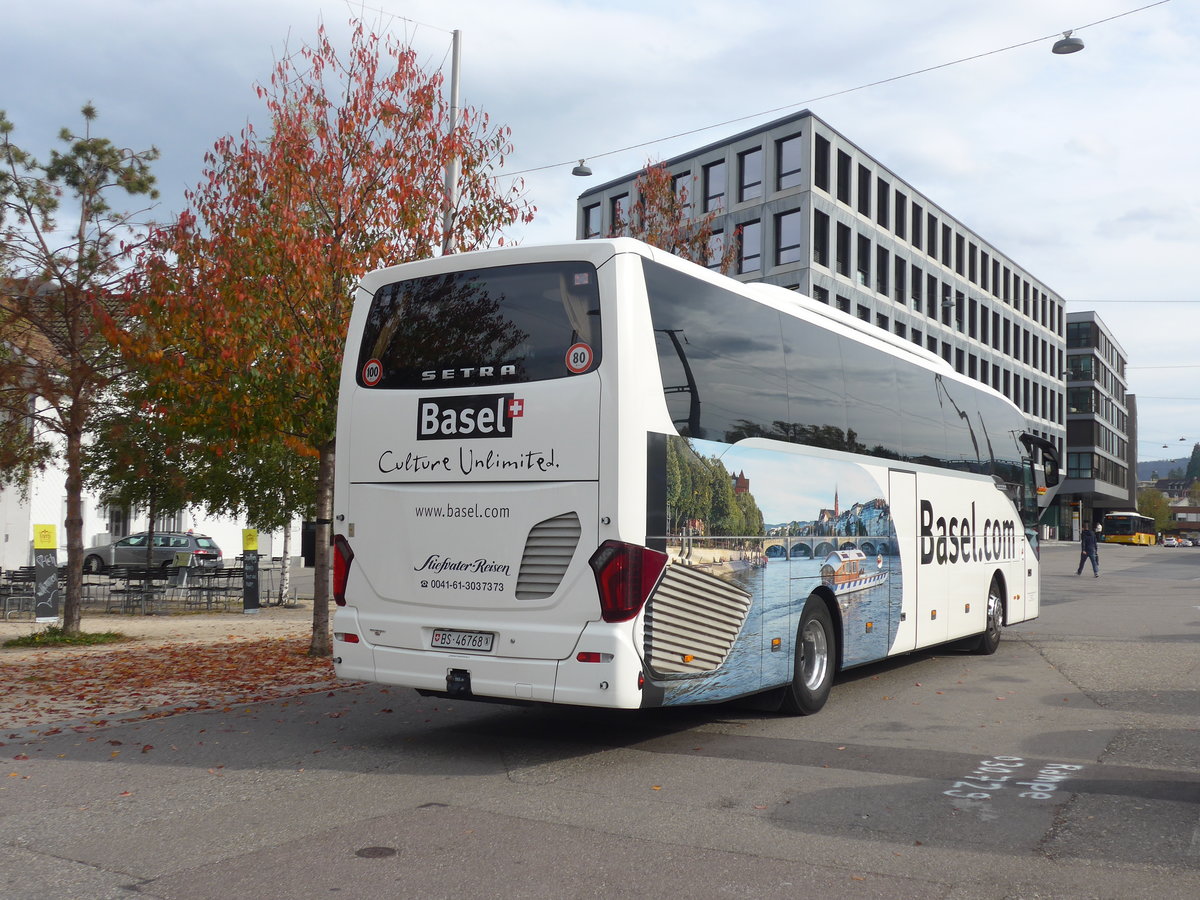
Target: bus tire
point(812, 674)
point(987, 642)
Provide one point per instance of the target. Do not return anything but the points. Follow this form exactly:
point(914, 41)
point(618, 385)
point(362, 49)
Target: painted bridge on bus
point(818, 546)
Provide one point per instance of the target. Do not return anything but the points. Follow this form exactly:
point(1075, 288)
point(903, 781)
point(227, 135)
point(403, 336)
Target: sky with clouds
point(1085, 168)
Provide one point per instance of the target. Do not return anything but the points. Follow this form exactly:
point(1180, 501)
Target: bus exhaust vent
point(549, 549)
point(692, 620)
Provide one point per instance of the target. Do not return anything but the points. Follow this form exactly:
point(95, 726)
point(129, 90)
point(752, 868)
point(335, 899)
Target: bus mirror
point(1050, 466)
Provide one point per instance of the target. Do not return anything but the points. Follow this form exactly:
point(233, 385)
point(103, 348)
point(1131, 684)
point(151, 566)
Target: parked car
point(1170, 542)
point(1185, 542)
point(131, 551)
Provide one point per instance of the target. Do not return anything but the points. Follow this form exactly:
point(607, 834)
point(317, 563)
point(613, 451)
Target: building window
point(591, 221)
point(959, 253)
point(901, 330)
point(618, 209)
point(714, 187)
point(917, 336)
point(883, 194)
point(842, 249)
point(881, 322)
point(716, 249)
point(820, 238)
point(917, 217)
point(864, 313)
point(899, 287)
point(789, 159)
point(750, 174)
point(863, 260)
point(931, 232)
point(946, 246)
point(820, 294)
point(864, 190)
point(900, 224)
point(750, 257)
point(983, 270)
point(844, 174)
point(843, 303)
point(917, 280)
point(821, 163)
point(787, 237)
point(680, 186)
point(882, 269)
point(973, 263)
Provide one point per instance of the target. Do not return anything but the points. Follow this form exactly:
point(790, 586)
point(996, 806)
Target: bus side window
point(720, 355)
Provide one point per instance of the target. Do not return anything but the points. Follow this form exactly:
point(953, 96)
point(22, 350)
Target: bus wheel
point(990, 639)
point(813, 674)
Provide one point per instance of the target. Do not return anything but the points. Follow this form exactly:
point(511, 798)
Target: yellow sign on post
point(249, 538)
point(45, 537)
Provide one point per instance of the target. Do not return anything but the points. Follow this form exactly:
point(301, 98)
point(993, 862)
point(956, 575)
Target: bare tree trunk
point(285, 573)
point(73, 601)
point(321, 644)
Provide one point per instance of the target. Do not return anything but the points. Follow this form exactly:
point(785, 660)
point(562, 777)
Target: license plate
point(445, 639)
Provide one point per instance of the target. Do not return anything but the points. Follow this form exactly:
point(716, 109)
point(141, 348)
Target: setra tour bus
point(1128, 528)
point(596, 474)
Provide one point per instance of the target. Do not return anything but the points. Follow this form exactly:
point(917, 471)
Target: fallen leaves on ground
point(126, 683)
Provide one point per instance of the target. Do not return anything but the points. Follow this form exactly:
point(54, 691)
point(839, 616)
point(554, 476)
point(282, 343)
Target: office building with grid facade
point(812, 211)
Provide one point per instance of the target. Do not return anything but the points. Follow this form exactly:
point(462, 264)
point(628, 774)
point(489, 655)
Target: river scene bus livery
point(775, 553)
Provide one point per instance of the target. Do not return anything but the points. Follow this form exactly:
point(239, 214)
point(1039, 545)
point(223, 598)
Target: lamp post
point(452, 163)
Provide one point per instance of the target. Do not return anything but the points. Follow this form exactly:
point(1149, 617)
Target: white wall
point(47, 505)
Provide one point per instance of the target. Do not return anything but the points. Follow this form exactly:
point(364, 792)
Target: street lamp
point(1067, 44)
point(582, 170)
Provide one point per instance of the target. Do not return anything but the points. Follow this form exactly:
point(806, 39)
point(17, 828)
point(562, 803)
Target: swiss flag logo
point(516, 408)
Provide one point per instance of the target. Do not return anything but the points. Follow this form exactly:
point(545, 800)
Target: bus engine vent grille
point(549, 549)
point(692, 620)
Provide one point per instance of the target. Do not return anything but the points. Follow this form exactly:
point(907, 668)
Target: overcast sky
point(1085, 169)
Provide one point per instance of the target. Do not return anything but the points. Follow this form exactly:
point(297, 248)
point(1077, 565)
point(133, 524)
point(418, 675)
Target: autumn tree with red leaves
point(249, 295)
point(662, 216)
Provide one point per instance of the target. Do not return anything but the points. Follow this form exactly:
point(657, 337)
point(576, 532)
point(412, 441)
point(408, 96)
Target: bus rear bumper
point(471, 675)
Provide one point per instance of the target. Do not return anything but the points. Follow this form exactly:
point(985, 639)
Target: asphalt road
point(1067, 765)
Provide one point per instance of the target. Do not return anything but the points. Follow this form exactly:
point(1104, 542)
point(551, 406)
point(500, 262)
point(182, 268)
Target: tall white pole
point(453, 163)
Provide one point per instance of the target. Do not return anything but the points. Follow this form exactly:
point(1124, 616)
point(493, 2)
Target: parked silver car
point(131, 551)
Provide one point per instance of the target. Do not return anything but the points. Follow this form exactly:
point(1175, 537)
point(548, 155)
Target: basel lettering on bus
point(473, 416)
point(960, 539)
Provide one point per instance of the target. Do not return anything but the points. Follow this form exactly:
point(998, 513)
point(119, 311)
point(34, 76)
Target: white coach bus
point(596, 474)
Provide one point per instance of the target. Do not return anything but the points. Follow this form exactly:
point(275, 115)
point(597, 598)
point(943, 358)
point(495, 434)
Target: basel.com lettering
point(462, 512)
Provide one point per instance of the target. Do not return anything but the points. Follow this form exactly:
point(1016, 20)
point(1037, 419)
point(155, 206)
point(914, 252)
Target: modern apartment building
point(1101, 457)
point(812, 211)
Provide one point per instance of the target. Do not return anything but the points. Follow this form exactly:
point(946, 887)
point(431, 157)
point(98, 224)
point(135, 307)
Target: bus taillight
point(342, 557)
point(625, 576)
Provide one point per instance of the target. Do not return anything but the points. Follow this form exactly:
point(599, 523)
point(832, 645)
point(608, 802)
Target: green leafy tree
point(1153, 504)
point(1193, 466)
point(61, 281)
point(250, 295)
point(136, 459)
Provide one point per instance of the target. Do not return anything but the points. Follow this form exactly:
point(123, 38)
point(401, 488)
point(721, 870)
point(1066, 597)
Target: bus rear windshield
point(505, 324)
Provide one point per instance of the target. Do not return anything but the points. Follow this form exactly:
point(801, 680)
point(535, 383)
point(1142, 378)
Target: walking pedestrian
point(1088, 550)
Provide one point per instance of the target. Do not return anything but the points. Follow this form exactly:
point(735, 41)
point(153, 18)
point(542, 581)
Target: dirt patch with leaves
point(56, 689)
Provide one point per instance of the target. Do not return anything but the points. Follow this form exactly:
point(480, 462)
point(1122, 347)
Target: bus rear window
point(499, 325)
